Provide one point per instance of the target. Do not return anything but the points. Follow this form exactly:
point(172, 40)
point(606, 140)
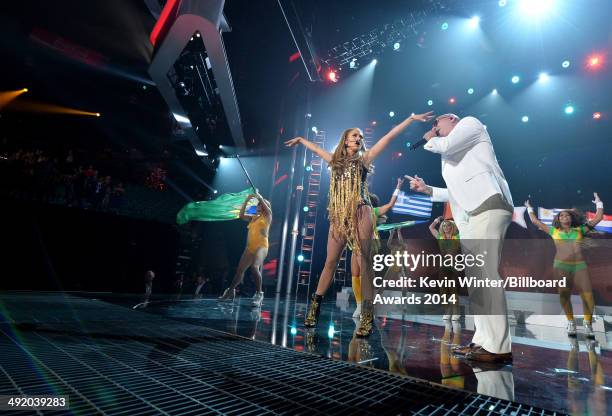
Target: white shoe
point(227, 296)
point(357, 312)
point(571, 328)
point(257, 299)
point(588, 329)
point(456, 318)
point(446, 317)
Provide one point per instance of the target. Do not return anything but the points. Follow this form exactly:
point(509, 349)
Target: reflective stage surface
point(550, 369)
point(118, 349)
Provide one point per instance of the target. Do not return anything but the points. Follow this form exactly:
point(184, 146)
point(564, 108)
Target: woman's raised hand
point(423, 117)
point(293, 142)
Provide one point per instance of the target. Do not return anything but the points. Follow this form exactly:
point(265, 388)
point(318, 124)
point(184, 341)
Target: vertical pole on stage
point(301, 167)
point(285, 229)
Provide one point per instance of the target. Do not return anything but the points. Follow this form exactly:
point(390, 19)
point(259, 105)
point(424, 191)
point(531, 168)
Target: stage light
point(181, 119)
point(331, 331)
point(98, 114)
point(305, 209)
point(502, 3)
point(314, 129)
point(24, 89)
point(470, 91)
point(374, 61)
point(430, 103)
point(594, 61)
point(565, 64)
point(444, 26)
point(353, 63)
point(215, 192)
point(494, 92)
point(293, 330)
point(332, 76)
point(543, 77)
point(451, 100)
point(374, 122)
point(569, 109)
point(399, 154)
point(525, 119)
point(308, 115)
point(391, 114)
point(535, 8)
point(198, 34)
point(201, 153)
point(408, 144)
point(308, 168)
point(596, 115)
point(300, 257)
point(396, 46)
point(515, 79)
point(474, 21)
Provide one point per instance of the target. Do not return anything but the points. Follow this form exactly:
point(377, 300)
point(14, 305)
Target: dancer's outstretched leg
point(245, 261)
point(335, 246)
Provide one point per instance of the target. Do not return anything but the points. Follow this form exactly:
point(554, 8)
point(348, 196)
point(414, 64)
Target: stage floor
point(121, 356)
point(550, 369)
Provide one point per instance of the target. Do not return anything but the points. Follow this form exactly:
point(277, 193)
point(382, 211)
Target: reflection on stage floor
point(550, 370)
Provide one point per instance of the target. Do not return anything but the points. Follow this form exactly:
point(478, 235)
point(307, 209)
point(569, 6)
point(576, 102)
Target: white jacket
point(469, 168)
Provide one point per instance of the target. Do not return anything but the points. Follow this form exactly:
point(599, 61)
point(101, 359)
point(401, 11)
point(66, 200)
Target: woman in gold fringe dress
point(350, 212)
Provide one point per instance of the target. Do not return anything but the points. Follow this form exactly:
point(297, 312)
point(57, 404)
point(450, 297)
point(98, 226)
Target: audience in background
point(34, 174)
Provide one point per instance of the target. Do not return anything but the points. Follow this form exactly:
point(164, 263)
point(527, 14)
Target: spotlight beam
point(7, 96)
point(37, 107)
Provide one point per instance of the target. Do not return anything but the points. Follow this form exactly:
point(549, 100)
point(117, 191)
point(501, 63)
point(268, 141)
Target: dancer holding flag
point(567, 231)
point(350, 212)
point(256, 249)
point(233, 206)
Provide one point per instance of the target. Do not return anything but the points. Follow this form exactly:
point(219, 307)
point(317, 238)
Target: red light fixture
point(332, 75)
point(595, 61)
point(596, 115)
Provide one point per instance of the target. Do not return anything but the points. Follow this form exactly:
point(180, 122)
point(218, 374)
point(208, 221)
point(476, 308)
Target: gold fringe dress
point(348, 190)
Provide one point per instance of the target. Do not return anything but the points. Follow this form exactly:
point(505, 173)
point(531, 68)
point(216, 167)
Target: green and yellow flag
point(223, 208)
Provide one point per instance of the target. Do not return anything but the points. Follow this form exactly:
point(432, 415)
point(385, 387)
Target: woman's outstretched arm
point(325, 155)
point(384, 141)
point(383, 209)
point(535, 219)
point(599, 214)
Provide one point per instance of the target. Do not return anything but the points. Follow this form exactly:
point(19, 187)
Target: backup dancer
point(350, 213)
point(567, 232)
point(256, 250)
point(448, 242)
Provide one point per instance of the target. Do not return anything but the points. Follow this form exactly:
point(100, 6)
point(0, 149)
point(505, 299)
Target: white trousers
point(497, 383)
point(484, 233)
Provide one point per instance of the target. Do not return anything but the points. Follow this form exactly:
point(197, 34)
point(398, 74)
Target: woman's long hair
point(340, 157)
point(577, 218)
point(454, 229)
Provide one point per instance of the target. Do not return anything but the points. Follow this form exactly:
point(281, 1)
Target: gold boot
point(313, 311)
point(366, 323)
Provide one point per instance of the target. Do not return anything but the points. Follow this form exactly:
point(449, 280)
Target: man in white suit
point(482, 208)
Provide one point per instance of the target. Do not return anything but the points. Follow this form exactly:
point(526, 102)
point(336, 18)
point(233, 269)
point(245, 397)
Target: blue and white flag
point(548, 215)
point(415, 204)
